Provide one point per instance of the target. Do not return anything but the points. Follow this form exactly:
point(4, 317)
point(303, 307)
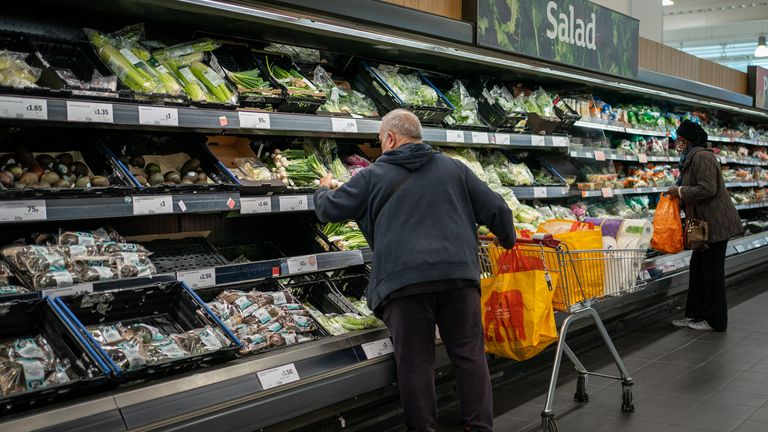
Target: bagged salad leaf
point(15, 72)
point(468, 158)
point(465, 113)
point(527, 214)
point(408, 87)
point(522, 175)
point(298, 54)
point(341, 98)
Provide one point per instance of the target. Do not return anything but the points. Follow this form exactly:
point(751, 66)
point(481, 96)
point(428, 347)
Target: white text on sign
point(200, 278)
point(302, 264)
point(24, 108)
point(249, 120)
point(378, 348)
point(90, 112)
point(344, 125)
point(278, 376)
point(294, 202)
point(250, 205)
point(152, 205)
point(158, 116)
point(28, 210)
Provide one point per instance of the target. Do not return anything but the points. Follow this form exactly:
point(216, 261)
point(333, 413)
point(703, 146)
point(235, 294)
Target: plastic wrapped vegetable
point(527, 214)
point(293, 80)
point(130, 69)
point(468, 158)
point(466, 106)
point(15, 72)
point(522, 175)
point(346, 236)
point(409, 87)
point(298, 54)
point(341, 98)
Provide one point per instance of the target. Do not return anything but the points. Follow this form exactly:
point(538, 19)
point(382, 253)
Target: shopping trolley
point(585, 277)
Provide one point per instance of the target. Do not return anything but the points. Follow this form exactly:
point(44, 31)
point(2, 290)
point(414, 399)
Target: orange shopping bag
point(518, 320)
point(667, 226)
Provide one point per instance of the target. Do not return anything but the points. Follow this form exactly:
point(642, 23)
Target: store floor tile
point(685, 381)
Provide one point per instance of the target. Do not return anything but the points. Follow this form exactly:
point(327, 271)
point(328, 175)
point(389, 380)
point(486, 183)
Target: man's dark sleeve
point(491, 210)
point(345, 203)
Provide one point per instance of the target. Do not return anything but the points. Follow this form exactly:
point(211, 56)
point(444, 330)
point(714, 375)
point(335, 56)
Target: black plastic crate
point(183, 254)
point(491, 110)
point(293, 102)
point(320, 294)
point(30, 318)
point(565, 118)
point(173, 301)
point(444, 84)
point(17, 42)
point(123, 147)
point(369, 82)
point(239, 57)
point(82, 61)
point(94, 156)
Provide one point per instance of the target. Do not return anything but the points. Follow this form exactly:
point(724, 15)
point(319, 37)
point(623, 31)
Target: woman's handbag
point(696, 232)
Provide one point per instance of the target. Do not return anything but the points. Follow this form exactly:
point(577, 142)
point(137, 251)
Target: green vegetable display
point(132, 71)
point(293, 80)
point(338, 324)
point(341, 98)
point(345, 235)
point(408, 87)
point(466, 107)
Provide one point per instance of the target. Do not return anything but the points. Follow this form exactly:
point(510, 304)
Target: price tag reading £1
point(24, 108)
point(200, 278)
point(278, 376)
point(29, 210)
point(294, 203)
point(255, 205)
point(158, 116)
point(89, 112)
point(249, 120)
point(302, 264)
point(344, 125)
point(378, 348)
point(152, 205)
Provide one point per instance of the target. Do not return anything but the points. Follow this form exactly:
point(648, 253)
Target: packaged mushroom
point(8, 284)
point(30, 364)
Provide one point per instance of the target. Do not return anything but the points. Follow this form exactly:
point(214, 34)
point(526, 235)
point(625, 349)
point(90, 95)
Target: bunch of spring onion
point(299, 167)
point(345, 235)
point(294, 81)
point(250, 81)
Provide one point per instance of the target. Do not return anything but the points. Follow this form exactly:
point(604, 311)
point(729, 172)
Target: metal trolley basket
point(585, 277)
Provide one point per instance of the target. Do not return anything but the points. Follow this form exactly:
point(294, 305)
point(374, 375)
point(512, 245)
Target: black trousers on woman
point(706, 290)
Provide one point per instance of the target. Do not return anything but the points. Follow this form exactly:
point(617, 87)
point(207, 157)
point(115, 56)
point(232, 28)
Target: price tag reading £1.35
point(278, 376)
point(89, 112)
point(28, 210)
point(302, 264)
point(200, 278)
point(378, 348)
point(24, 108)
point(152, 205)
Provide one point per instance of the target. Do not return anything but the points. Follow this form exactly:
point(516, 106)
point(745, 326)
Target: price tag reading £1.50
point(200, 278)
point(24, 108)
point(89, 112)
point(278, 376)
point(152, 205)
point(302, 264)
point(378, 348)
point(28, 210)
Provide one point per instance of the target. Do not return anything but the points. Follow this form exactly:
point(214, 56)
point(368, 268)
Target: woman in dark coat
point(702, 191)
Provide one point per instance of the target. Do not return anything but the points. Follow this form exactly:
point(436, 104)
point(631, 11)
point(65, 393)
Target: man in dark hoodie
point(419, 211)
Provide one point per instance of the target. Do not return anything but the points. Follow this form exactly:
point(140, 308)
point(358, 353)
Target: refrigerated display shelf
point(541, 192)
point(754, 205)
point(137, 116)
point(648, 132)
point(608, 192)
point(607, 154)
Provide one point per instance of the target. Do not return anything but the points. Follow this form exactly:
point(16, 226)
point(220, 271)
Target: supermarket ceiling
point(725, 31)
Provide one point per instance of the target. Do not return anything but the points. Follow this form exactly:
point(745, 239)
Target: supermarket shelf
point(601, 126)
point(607, 154)
point(754, 205)
point(647, 132)
point(746, 184)
point(607, 193)
point(747, 161)
point(130, 115)
point(541, 192)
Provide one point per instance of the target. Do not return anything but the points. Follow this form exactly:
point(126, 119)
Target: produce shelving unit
point(331, 369)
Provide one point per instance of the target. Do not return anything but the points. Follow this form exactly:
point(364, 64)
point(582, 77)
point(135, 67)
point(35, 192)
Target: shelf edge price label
point(200, 278)
point(249, 205)
point(642, 158)
point(503, 139)
point(537, 141)
point(599, 155)
point(539, 192)
point(740, 248)
point(378, 348)
point(69, 291)
point(277, 376)
point(27, 210)
point(559, 141)
point(24, 108)
point(147, 205)
point(480, 138)
point(90, 112)
point(607, 192)
point(301, 264)
point(252, 120)
point(345, 125)
point(454, 136)
point(294, 202)
point(158, 116)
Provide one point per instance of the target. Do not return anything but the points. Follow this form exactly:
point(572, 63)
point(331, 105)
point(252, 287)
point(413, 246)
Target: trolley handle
point(543, 239)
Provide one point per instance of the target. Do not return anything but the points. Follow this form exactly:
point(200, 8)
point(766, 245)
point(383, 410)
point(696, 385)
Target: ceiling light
point(761, 50)
point(667, 2)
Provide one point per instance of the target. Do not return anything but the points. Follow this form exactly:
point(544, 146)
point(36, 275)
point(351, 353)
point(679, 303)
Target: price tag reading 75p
point(200, 278)
point(27, 210)
point(278, 376)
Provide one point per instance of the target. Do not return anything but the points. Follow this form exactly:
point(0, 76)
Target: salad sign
point(757, 83)
point(574, 32)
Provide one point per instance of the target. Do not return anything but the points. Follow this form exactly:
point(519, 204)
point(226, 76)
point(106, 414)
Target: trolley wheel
point(549, 424)
point(626, 398)
point(581, 389)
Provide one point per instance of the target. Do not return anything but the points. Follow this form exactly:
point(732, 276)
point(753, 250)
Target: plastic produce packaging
point(468, 158)
point(341, 98)
point(408, 87)
point(298, 54)
point(466, 107)
point(15, 72)
point(30, 364)
point(338, 324)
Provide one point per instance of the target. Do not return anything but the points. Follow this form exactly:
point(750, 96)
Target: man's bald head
point(399, 127)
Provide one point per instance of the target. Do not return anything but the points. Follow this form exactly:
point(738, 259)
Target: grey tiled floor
point(685, 381)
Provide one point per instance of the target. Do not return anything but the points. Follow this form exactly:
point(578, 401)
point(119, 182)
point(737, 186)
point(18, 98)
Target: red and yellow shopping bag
point(518, 320)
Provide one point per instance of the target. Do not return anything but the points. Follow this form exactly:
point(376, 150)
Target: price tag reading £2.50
point(344, 125)
point(378, 348)
point(278, 376)
point(200, 278)
point(152, 205)
point(89, 112)
point(302, 264)
point(24, 108)
point(29, 210)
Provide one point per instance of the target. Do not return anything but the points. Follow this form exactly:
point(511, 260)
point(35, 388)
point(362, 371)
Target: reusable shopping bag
point(518, 320)
point(667, 226)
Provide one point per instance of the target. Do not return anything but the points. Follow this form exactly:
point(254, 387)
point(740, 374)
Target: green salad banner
point(574, 32)
point(757, 84)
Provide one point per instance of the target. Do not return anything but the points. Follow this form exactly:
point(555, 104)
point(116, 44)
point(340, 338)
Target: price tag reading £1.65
point(200, 278)
point(89, 112)
point(378, 348)
point(28, 210)
point(302, 264)
point(24, 108)
point(152, 205)
point(278, 376)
